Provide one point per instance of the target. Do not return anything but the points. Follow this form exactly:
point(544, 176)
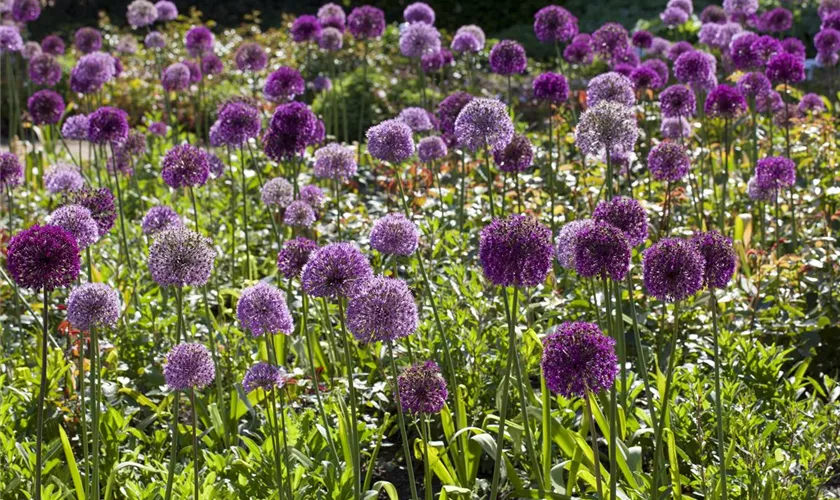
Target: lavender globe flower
point(431, 148)
point(188, 366)
point(483, 123)
point(293, 255)
point(101, 206)
point(93, 305)
point(579, 53)
point(765, 47)
point(312, 195)
point(30, 50)
point(677, 49)
point(199, 40)
point(725, 102)
point(11, 171)
point(775, 20)
point(740, 7)
point(321, 84)
point(432, 63)
point(250, 57)
point(659, 47)
point(508, 58)
point(194, 69)
point(43, 258)
point(627, 57)
point(52, 45)
point(713, 14)
point(180, 257)
point(394, 234)
point(642, 39)
point(673, 16)
point(366, 22)
point(237, 123)
point(277, 192)
point(465, 43)
point(694, 67)
point(78, 221)
point(46, 107)
point(668, 161)
point(551, 87)
point(555, 24)
point(516, 156)
point(673, 269)
point(390, 141)
point(107, 125)
point(578, 358)
point(332, 15)
point(793, 46)
point(185, 165)
point(92, 72)
point(567, 242)
point(609, 127)
point(753, 85)
point(610, 87)
point(449, 109)
point(775, 172)
point(416, 118)
point(476, 32)
point(610, 39)
point(63, 177)
point(677, 101)
point(87, 40)
point(719, 257)
point(419, 12)
point(264, 376)
point(283, 85)
point(211, 64)
point(158, 128)
point(418, 39)
point(44, 70)
point(75, 128)
point(827, 40)
point(25, 11)
point(827, 60)
point(742, 52)
point(331, 39)
point(785, 68)
point(601, 250)
point(675, 128)
point(176, 77)
point(827, 7)
point(159, 219)
point(645, 77)
point(306, 29)
point(337, 270)
point(515, 251)
point(757, 192)
point(262, 310)
point(385, 311)
point(422, 389)
point(811, 103)
point(335, 161)
point(166, 11)
point(299, 214)
point(625, 214)
point(141, 13)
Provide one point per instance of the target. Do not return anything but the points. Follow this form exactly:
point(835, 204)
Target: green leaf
point(71, 464)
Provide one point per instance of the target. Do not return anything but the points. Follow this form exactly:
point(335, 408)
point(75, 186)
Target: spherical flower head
point(321, 84)
point(11, 171)
point(394, 234)
point(793, 46)
point(390, 141)
point(827, 60)
point(677, 49)
point(24, 11)
point(431, 148)
point(366, 22)
point(753, 85)
point(419, 39)
point(283, 85)
point(483, 123)
point(676, 101)
point(740, 7)
point(180, 257)
point(264, 376)
point(786, 116)
point(659, 47)
point(811, 103)
point(141, 13)
point(422, 389)
point(623, 69)
point(661, 69)
point(277, 192)
point(515, 251)
point(566, 242)
point(579, 52)
point(713, 14)
point(312, 195)
point(610, 87)
point(449, 109)
point(577, 358)
point(43, 258)
point(237, 123)
point(673, 16)
point(827, 7)
point(292, 126)
point(92, 72)
point(775, 20)
point(211, 64)
point(744, 56)
point(101, 206)
point(383, 312)
point(251, 57)
point(293, 256)
point(185, 165)
point(432, 63)
point(262, 309)
point(827, 40)
point(188, 366)
point(416, 118)
point(831, 20)
point(720, 258)
point(331, 39)
point(93, 305)
point(465, 43)
point(775, 172)
point(335, 161)
point(332, 15)
point(337, 270)
point(78, 221)
point(44, 70)
point(673, 269)
point(87, 40)
point(508, 58)
point(551, 87)
point(675, 128)
point(668, 161)
point(30, 50)
point(764, 47)
point(726, 102)
point(516, 156)
point(75, 128)
point(107, 125)
point(306, 29)
point(52, 45)
point(419, 12)
point(759, 193)
point(645, 77)
point(609, 39)
point(694, 67)
point(723, 35)
point(166, 11)
point(199, 41)
point(159, 219)
point(608, 127)
point(158, 128)
point(601, 250)
point(625, 214)
point(10, 39)
point(785, 68)
point(45, 107)
point(62, 178)
point(299, 214)
point(555, 24)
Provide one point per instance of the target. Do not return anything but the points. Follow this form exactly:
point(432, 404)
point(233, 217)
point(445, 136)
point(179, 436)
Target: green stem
point(546, 431)
point(490, 183)
point(497, 466)
point(427, 469)
point(353, 424)
point(641, 353)
point(593, 435)
point(718, 396)
point(245, 215)
point(406, 446)
point(173, 454)
point(659, 455)
point(286, 459)
point(195, 442)
point(41, 395)
point(610, 322)
point(274, 428)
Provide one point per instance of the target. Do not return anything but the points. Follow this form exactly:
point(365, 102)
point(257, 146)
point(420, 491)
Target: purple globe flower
point(668, 161)
point(551, 87)
point(176, 77)
point(719, 36)
point(610, 87)
point(46, 107)
point(277, 192)
point(188, 366)
point(483, 123)
point(725, 102)
point(774, 20)
point(713, 14)
point(337, 270)
point(293, 256)
point(794, 46)
point(465, 43)
point(93, 305)
point(608, 127)
point(250, 56)
point(694, 67)
point(555, 24)
point(158, 128)
point(673, 269)
point(335, 161)
point(312, 195)
point(75, 128)
point(390, 141)
point(432, 63)
point(331, 39)
point(675, 128)
point(30, 50)
point(508, 58)
point(422, 389)
point(610, 39)
point(62, 178)
point(92, 72)
point(677, 101)
point(577, 358)
point(11, 171)
point(331, 15)
point(827, 7)
point(283, 85)
point(785, 68)
point(516, 156)
point(44, 70)
point(160, 218)
point(199, 41)
point(601, 250)
point(764, 48)
point(211, 64)
point(449, 109)
point(827, 41)
point(753, 85)
point(627, 57)
point(811, 103)
point(567, 240)
point(677, 49)
point(742, 52)
point(262, 310)
point(107, 125)
point(515, 251)
point(78, 221)
point(290, 129)
point(775, 172)
point(264, 376)
point(53, 45)
point(394, 234)
point(166, 11)
point(306, 29)
point(645, 77)
point(180, 257)
point(141, 13)
point(419, 12)
point(759, 193)
point(185, 165)
point(101, 206)
point(383, 312)
point(579, 53)
point(625, 214)
point(659, 47)
point(366, 22)
point(299, 214)
point(43, 258)
point(740, 7)
point(827, 60)
point(237, 123)
point(719, 256)
point(431, 148)
point(673, 16)
point(476, 32)
point(416, 118)
point(87, 40)
point(419, 39)
point(321, 84)
point(661, 69)
point(25, 11)
point(194, 69)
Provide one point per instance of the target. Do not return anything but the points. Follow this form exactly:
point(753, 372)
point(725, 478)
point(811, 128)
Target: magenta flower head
point(601, 250)
point(337, 270)
point(577, 358)
point(516, 156)
point(211, 64)
point(11, 171)
point(188, 366)
point(677, 49)
point(642, 39)
point(625, 214)
point(101, 206)
point(734, 8)
point(508, 58)
point(659, 47)
point(694, 67)
point(290, 130)
point(238, 122)
point(422, 389)
point(794, 46)
point(87, 40)
point(753, 85)
point(160, 218)
point(419, 39)
point(262, 310)
point(416, 118)
point(332, 15)
point(431, 148)
point(673, 269)
point(166, 11)
point(250, 56)
point(579, 52)
point(335, 161)
point(45, 107)
point(645, 77)
point(306, 29)
point(555, 24)
point(661, 69)
point(25, 11)
point(141, 13)
point(176, 77)
point(611, 87)
point(465, 43)
point(283, 85)
point(383, 312)
point(610, 39)
point(668, 161)
point(775, 20)
point(10, 39)
point(312, 195)
point(742, 52)
point(419, 12)
point(785, 68)
point(394, 234)
point(43, 258)
point(449, 109)
point(331, 39)
point(264, 376)
point(757, 192)
point(75, 128)
point(811, 103)
point(608, 127)
point(432, 63)
point(827, 40)
point(390, 141)
point(53, 45)
point(566, 242)
point(677, 101)
point(551, 87)
point(293, 255)
point(277, 192)
point(180, 257)
point(92, 72)
point(675, 128)
point(185, 165)
point(726, 102)
point(63, 178)
point(673, 16)
point(44, 70)
point(720, 258)
point(108, 125)
point(93, 305)
point(775, 172)
point(199, 41)
point(483, 123)
point(515, 251)
point(78, 221)
point(366, 22)
point(299, 214)
point(194, 69)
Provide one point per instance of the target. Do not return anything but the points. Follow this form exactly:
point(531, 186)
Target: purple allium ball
point(331, 39)
point(827, 7)
point(765, 47)
point(78, 221)
point(211, 64)
point(775, 172)
point(465, 43)
point(283, 85)
point(740, 7)
point(611, 87)
point(87, 40)
point(75, 128)
point(719, 256)
point(176, 77)
point(418, 39)
point(335, 161)
point(45, 107)
point(483, 123)
point(199, 41)
point(312, 195)
point(579, 52)
point(677, 49)
point(775, 20)
point(291, 127)
point(577, 358)
point(794, 46)
point(416, 118)
point(30, 50)
point(238, 122)
point(753, 85)
point(11, 171)
point(180, 256)
point(277, 192)
point(694, 67)
point(44, 70)
point(713, 14)
point(608, 127)
point(476, 33)
point(551, 87)
point(625, 214)
point(642, 39)
point(768, 102)
point(24, 11)
point(725, 101)
point(449, 109)
point(92, 72)
point(366, 22)
point(158, 128)
point(299, 214)
point(419, 12)
point(394, 234)
point(827, 60)
point(53, 45)
point(185, 165)
point(166, 11)
point(331, 15)
point(43, 258)
point(742, 52)
point(141, 13)
point(306, 29)
point(337, 270)
point(673, 269)
point(659, 47)
point(673, 16)
point(676, 101)
point(188, 366)
point(623, 69)
point(422, 389)
point(508, 58)
point(515, 251)
point(250, 56)
point(628, 57)
point(566, 242)
point(390, 141)
point(432, 63)
point(555, 24)
point(811, 103)
point(262, 310)
point(668, 161)
point(107, 125)
point(62, 178)
point(321, 84)
point(195, 70)
point(609, 39)
point(757, 192)
point(93, 305)
point(601, 250)
point(264, 376)
point(431, 148)
point(293, 256)
point(827, 40)
point(661, 69)
point(101, 206)
point(159, 219)
point(383, 312)
point(675, 128)
point(516, 156)
point(645, 77)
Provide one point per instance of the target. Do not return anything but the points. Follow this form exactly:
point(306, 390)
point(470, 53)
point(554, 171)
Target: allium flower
point(601, 249)
point(312, 195)
point(422, 388)
point(78, 221)
point(752, 85)
point(416, 118)
point(465, 43)
point(24, 11)
point(551, 87)
point(237, 123)
point(331, 39)
point(180, 256)
point(390, 141)
point(675, 128)
point(577, 358)
point(516, 156)
point(299, 214)
point(290, 129)
point(158, 128)
point(742, 52)
point(141, 13)
point(166, 11)
point(580, 52)
point(449, 109)
point(45, 107)
point(264, 376)
point(277, 192)
point(659, 47)
point(199, 41)
point(30, 50)
point(293, 255)
point(794, 46)
point(611, 87)
point(713, 14)
point(673, 269)
point(383, 312)
point(394, 234)
point(811, 103)
point(75, 128)
point(306, 29)
point(726, 102)
point(44, 70)
point(101, 206)
point(827, 60)
point(677, 49)
point(768, 102)
point(319, 134)
point(418, 39)
point(676, 101)
point(52, 45)
point(764, 47)
point(625, 214)
point(609, 39)
point(431, 148)
point(87, 40)
point(827, 40)
point(262, 310)
point(759, 193)
point(555, 24)
point(160, 218)
point(740, 7)
point(337, 270)
point(673, 16)
point(194, 69)
point(515, 251)
point(43, 257)
point(827, 7)
point(331, 15)
point(366, 22)
point(483, 123)
point(567, 241)
point(188, 366)
point(283, 85)
point(93, 305)
point(608, 127)
point(694, 67)
point(774, 20)
point(775, 172)
point(107, 125)
point(11, 171)
point(508, 58)
point(645, 77)
point(628, 57)
point(176, 77)
point(723, 35)
point(668, 161)
point(92, 72)
point(335, 161)
point(321, 84)
point(185, 165)
point(250, 56)
point(719, 256)
point(419, 12)
point(432, 63)
point(63, 177)
point(211, 64)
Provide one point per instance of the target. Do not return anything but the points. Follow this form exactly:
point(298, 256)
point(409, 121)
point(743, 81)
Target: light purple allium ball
point(238, 122)
point(661, 69)
point(555, 24)
point(188, 366)
point(299, 214)
point(774, 20)
point(194, 69)
point(508, 58)
point(625, 214)
point(694, 67)
point(673, 16)
point(483, 123)
point(419, 39)
point(394, 234)
point(185, 165)
point(608, 127)
point(677, 101)
point(264, 376)
point(516, 156)
point(476, 32)
point(383, 312)
point(337, 270)
point(93, 305)
point(390, 141)
point(432, 63)
point(335, 161)
point(107, 125)
point(419, 12)
point(158, 128)
point(312, 195)
point(293, 255)
point(141, 13)
point(46, 107)
point(740, 7)
point(331, 39)
point(668, 161)
point(642, 39)
point(92, 72)
point(515, 251)
point(262, 310)
point(811, 103)
point(416, 118)
point(725, 101)
point(78, 221)
point(579, 52)
point(827, 40)
point(449, 109)
point(566, 242)
point(283, 85)
point(720, 258)
point(578, 358)
point(176, 77)
point(675, 128)
point(306, 29)
point(659, 47)
point(30, 50)
point(609, 39)
point(612, 87)
point(75, 128)
point(166, 11)
point(321, 83)
point(87, 40)
point(277, 192)
point(769, 102)
point(44, 70)
point(180, 256)
point(759, 193)
point(52, 45)
point(160, 218)
point(465, 43)
point(673, 269)
point(785, 68)
point(62, 178)
point(551, 87)
point(794, 46)
point(775, 172)
point(431, 148)
point(199, 41)
point(753, 85)
point(601, 250)
point(211, 64)
point(332, 15)
point(100, 203)
point(43, 258)
point(366, 22)
point(250, 56)
point(645, 77)
point(25, 11)
point(422, 389)
point(11, 171)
